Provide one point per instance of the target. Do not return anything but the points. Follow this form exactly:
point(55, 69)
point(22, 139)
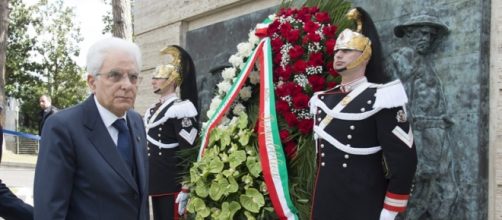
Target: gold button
point(348, 145)
point(344, 165)
point(158, 135)
point(148, 154)
point(349, 136)
point(319, 119)
point(346, 156)
point(322, 154)
point(352, 127)
point(369, 102)
point(160, 153)
point(322, 145)
point(319, 112)
point(322, 164)
point(160, 128)
point(322, 97)
point(363, 109)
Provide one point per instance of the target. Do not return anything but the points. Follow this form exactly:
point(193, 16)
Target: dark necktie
point(124, 141)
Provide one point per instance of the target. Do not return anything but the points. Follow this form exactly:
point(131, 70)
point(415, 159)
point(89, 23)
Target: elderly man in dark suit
point(93, 162)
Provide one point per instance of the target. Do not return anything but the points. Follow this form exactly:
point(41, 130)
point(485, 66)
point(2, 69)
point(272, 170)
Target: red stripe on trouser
point(176, 215)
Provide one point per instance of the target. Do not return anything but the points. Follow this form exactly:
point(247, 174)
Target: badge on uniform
point(186, 122)
point(401, 116)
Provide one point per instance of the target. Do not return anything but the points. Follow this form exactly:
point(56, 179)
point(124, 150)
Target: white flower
point(215, 103)
point(272, 17)
point(235, 60)
point(301, 80)
point(244, 49)
point(238, 109)
point(254, 77)
point(228, 73)
point(245, 93)
point(252, 38)
point(223, 86)
point(210, 113)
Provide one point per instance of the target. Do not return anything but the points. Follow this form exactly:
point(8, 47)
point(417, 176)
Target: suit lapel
point(101, 140)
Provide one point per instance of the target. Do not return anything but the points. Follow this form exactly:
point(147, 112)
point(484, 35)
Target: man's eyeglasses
point(116, 76)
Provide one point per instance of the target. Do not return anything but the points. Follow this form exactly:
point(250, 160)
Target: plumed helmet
point(178, 69)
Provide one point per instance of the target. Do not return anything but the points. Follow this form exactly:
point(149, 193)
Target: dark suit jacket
point(80, 174)
point(13, 208)
point(44, 115)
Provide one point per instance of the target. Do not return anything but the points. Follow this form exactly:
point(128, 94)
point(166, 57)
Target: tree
point(122, 20)
point(44, 64)
point(4, 13)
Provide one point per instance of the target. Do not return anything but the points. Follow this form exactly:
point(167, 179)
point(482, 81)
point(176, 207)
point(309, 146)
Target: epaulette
point(181, 109)
point(389, 95)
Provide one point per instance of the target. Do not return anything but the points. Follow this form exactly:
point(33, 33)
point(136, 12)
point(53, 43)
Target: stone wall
point(495, 173)
point(161, 23)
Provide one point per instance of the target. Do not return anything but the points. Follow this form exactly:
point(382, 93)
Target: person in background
point(93, 162)
point(366, 154)
point(171, 126)
point(48, 109)
point(11, 207)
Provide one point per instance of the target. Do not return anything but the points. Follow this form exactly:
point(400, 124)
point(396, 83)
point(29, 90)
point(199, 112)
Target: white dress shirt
point(108, 119)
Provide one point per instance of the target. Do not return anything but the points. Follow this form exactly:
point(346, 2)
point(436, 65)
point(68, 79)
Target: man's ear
point(91, 82)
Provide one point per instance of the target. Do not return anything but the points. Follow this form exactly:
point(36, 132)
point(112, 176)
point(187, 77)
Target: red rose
point(290, 118)
point(313, 37)
point(310, 27)
point(295, 89)
point(330, 47)
point(276, 44)
point(305, 126)
point(277, 58)
point(317, 82)
point(299, 66)
point(314, 9)
point(284, 134)
point(293, 36)
point(300, 101)
point(282, 106)
point(316, 59)
point(290, 149)
point(322, 17)
point(331, 84)
point(281, 91)
point(296, 52)
point(273, 28)
point(304, 15)
point(329, 31)
point(285, 28)
point(284, 73)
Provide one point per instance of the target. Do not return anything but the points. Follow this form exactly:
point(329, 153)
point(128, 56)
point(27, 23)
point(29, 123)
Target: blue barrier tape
point(21, 134)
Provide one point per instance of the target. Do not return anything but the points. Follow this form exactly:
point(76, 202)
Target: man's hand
point(387, 215)
point(182, 200)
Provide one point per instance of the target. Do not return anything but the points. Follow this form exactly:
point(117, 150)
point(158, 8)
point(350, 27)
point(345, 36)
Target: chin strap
point(365, 56)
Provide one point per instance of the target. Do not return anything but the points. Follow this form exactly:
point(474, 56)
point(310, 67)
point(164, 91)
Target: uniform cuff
point(395, 202)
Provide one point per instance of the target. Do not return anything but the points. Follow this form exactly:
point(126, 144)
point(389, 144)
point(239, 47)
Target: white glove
point(182, 200)
point(387, 215)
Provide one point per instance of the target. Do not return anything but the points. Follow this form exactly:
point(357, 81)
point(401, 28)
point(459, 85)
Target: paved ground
point(17, 172)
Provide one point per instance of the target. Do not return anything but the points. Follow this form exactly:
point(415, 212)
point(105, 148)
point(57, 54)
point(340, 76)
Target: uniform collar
point(348, 87)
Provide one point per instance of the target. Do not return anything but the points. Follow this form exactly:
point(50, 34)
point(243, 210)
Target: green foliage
point(42, 60)
point(227, 181)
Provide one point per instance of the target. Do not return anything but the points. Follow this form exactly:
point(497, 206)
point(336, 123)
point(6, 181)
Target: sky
point(89, 14)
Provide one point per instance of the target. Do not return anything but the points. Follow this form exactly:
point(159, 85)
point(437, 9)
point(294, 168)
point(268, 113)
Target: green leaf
point(244, 137)
point(198, 206)
point(228, 210)
point(243, 120)
point(249, 216)
point(236, 158)
point(253, 166)
point(225, 140)
point(216, 165)
point(253, 200)
point(232, 187)
point(217, 189)
point(201, 189)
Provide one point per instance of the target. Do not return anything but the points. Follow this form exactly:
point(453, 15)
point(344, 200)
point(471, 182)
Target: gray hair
point(98, 51)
